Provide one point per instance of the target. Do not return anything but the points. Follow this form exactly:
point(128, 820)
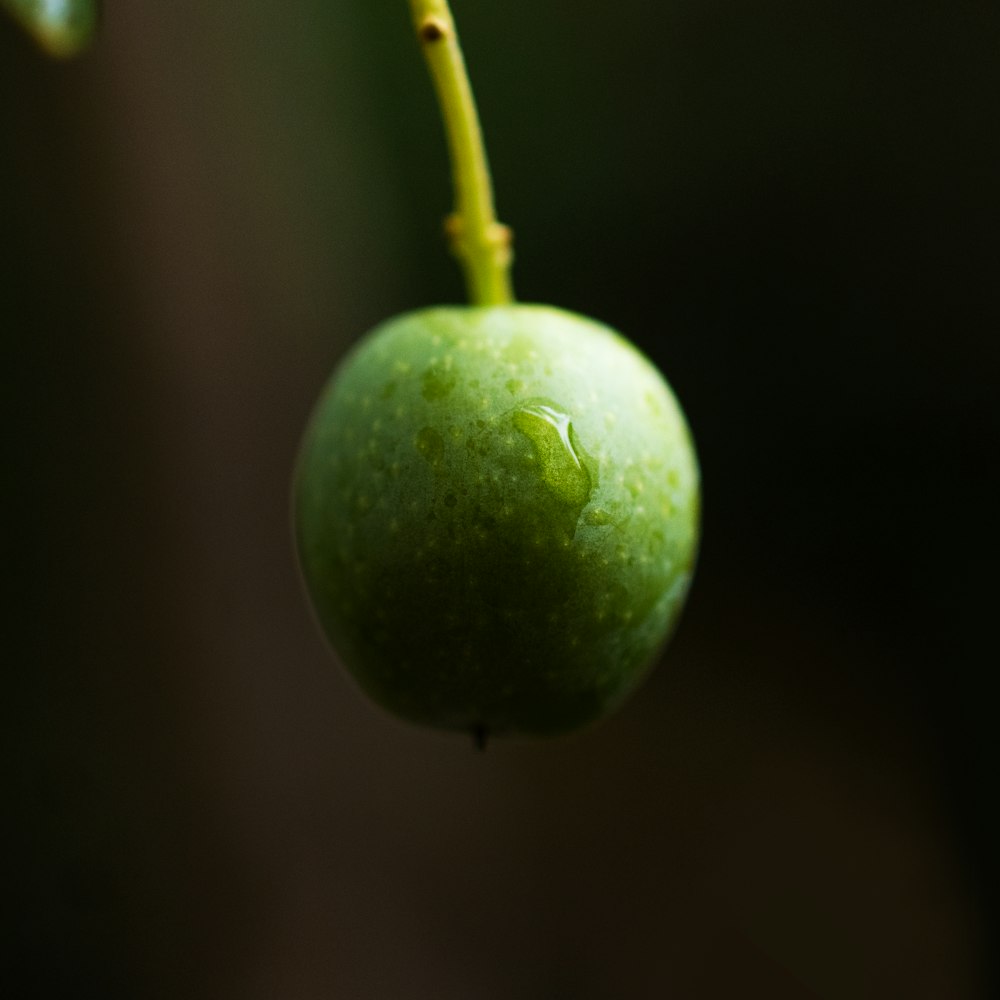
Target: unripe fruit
point(497, 517)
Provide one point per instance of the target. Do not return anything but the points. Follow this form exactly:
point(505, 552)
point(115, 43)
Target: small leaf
point(62, 27)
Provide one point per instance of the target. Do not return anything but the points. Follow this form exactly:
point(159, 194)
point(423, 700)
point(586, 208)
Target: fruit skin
point(497, 515)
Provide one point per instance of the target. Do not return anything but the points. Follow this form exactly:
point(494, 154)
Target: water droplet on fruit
point(563, 468)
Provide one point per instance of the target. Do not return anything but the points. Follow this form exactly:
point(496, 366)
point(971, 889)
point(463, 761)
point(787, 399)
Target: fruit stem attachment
point(481, 243)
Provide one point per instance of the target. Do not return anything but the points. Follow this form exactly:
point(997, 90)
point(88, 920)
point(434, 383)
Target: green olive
point(497, 517)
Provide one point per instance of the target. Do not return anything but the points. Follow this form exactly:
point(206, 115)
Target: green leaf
point(62, 27)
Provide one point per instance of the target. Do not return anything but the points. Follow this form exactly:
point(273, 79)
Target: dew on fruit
point(550, 430)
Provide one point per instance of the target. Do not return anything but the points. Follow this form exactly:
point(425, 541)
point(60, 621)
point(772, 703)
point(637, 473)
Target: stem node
point(432, 29)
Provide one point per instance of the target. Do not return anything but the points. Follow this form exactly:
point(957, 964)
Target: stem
point(477, 239)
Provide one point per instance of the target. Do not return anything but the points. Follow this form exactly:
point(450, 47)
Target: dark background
point(793, 208)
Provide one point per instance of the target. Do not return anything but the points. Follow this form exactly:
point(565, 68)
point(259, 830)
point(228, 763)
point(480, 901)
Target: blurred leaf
point(62, 27)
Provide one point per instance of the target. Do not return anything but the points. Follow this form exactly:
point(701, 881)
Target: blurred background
point(793, 208)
